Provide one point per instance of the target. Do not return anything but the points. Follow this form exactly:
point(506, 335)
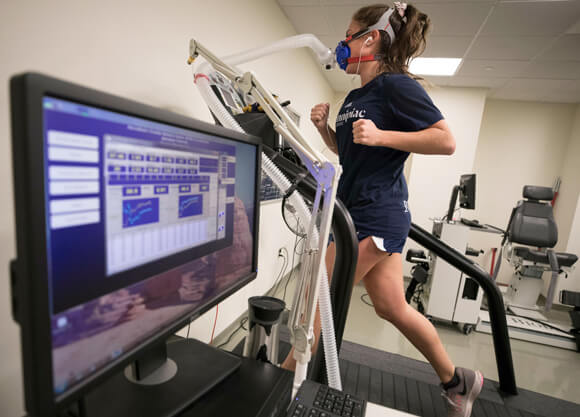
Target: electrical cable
point(495, 227)
point(296, 242)
point(280, 277)
point(362, 297)
point(214, 323)
point(241, 326)
point(445, 216)
point(416, 298)
point(297, 231)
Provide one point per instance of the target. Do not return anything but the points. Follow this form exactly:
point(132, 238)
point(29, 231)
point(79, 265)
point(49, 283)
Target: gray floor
point(547, 370)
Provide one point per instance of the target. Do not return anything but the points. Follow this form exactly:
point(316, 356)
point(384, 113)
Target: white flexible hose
point(280, 180)
point(328, 335)
point(324, 55)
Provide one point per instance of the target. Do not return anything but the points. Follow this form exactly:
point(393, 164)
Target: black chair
point(532, 223)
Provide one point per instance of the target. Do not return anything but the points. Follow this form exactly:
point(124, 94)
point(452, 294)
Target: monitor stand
point(200, 368)
point(452, 203)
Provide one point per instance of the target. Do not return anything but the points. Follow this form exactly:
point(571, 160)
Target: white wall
point(571, 283)
point(137, 49)
point(521, 143)
point(432, 177)
point(567, 210)
point(565, 206)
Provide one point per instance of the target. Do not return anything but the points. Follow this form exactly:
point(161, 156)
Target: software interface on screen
point(145, 221)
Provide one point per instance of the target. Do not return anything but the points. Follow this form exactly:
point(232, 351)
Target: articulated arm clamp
point(325, 173)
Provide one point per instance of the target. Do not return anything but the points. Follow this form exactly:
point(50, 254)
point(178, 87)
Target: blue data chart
point(190, 205)
point(141, 211)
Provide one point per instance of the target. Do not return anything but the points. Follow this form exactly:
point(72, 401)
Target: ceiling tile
point(306, 19)
point(566, 48)
point(562, 97)
point(540, 90)
point(574, 29)
point(532, 18)
point(436, 80)
point(482, 82)
point(553, 70)
point(447, 46)
point(455, 19)
point(339, 18)
point(508, 47)
point(295, 2)
point(529, 89)
point(504, 57)
point(492, 68)
point(355, 4)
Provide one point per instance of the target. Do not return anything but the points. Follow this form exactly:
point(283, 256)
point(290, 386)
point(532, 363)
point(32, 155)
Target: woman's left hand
point(364, 132)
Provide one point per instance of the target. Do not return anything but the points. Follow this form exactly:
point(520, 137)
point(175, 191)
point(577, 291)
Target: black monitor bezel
point(468, 188)
point(31, 285)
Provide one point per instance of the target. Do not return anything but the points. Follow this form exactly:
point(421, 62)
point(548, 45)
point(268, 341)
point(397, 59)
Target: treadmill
point(400, 383)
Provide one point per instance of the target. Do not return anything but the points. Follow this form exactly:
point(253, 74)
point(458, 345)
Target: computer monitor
point(130, 221)
point(466, 193)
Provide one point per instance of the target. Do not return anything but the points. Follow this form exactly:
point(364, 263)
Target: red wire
point(214, 323)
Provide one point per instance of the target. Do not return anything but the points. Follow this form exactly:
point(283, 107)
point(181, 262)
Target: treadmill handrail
point(497, 316)
point(345, 265)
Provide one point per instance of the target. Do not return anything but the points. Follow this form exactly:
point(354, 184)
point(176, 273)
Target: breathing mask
point(342, 51)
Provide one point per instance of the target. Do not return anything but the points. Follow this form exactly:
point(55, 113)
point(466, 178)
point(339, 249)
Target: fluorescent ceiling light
point(434, 66)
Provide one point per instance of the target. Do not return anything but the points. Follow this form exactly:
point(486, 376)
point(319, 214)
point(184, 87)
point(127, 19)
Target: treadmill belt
point(412, 386)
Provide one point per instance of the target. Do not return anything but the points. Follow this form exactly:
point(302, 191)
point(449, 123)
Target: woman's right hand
point(319, 115)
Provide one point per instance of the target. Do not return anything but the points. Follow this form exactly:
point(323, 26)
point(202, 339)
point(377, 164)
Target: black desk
point(254, 390)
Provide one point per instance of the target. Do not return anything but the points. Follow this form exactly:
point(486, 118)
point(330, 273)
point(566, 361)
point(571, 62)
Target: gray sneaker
point(460, 398)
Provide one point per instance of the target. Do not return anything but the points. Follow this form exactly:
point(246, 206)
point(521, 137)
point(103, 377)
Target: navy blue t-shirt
point(372, 185)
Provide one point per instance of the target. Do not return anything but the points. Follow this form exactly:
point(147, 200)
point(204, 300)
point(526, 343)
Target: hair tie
point(401, 7)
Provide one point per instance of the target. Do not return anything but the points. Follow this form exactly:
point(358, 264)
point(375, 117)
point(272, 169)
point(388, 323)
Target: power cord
point(296, 243)
point(241, 326)
point(280, 277)
point(445, 216)
point(278, 281)
point(214, 323)
point(291, 208)
point(362, 298)
point(188, 326)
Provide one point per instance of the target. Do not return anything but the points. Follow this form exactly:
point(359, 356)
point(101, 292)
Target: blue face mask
point(342, 51)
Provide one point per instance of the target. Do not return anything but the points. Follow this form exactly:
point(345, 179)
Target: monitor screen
point(121, 194)
point(146, 223)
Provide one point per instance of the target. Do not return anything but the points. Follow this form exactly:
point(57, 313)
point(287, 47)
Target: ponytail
point(411, 31)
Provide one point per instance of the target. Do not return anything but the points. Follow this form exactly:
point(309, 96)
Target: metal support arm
point(326, 175)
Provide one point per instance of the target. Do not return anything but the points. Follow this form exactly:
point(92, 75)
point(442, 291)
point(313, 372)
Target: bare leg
point(368, 256)
point(384, 284)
